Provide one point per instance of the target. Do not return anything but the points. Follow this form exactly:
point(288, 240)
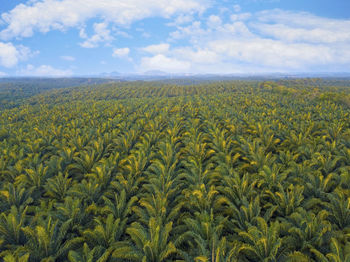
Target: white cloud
point(271, 40)
point(176, 60)
point(192, 31)
point(121, 52)
point(240, 16)
point(82, 33)
point(315, 35)
point(47, 15)
point(302, 27)
point(44, 71)
point(214, 21)
point(102, 34)
point(183, 19)
point(301, 19)
point(2, 74)
point(237, 8)
point(68, 58)
point(156, 49)
point(267, 41)
point(270, 53)
point(164, 63)
point(198, 35)
point(10, 55)
point(197, 56)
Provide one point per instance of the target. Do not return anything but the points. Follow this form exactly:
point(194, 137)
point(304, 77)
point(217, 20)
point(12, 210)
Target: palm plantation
point(152, 172)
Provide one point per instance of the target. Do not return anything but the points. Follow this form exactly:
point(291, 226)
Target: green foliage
point(337, 98)
point(159, 171)
point(262, 242)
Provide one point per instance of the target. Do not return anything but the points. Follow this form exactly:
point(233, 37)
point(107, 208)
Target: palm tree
point(337, 253)
point(326, 164)
point(34, 179)
point(16, 258)
point(90, 192)
point(150, 244)
point(308, 232)
point(119, 206)
point(271, 178)
point(262, 242)
point(255, 156)
point(203, 234)
point(132, 175)
point(57, 187)
point(243, 217)
point(72, 209)
point(318, 186)
point(235, 188)
point(11, 226)
point(86, 255)
point(224, 252)
point(83, 163)
point(106, 235)
point(339, 211)
point(286, 201)
point(48, 240)
point(15, 196)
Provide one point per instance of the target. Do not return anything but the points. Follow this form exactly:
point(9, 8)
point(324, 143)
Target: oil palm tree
point(150, 244)
point(262, 242)
point(48, 240)
point(106, 235)
point(11, 226)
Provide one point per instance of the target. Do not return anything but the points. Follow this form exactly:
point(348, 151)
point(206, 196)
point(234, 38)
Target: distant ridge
point(155, 75)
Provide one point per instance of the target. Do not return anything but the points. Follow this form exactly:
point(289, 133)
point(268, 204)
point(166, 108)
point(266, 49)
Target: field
point(242, 170)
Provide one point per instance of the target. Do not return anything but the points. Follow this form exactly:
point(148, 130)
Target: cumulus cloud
point(270, 53)
point(270, 40)
point(237, 8)
point(10, 55)
point(44, 71)
point(300, 19)
point(121, 52)
point(302, 27)
point(197, 56)
point(267, 41)
point(214, 21)
point(102, 34)
point(2, 74)
point(240, 16)
point(157, 49)
point(292, 34)
point(164, 63)
point(192, 31)
point(46, 15)
point(178, 59)
point(182, 19)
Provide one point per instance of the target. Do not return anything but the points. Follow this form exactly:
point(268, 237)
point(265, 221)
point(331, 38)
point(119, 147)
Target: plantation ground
point(174, 171)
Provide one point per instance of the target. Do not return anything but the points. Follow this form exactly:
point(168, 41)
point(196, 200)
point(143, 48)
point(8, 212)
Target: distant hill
point(14, 90)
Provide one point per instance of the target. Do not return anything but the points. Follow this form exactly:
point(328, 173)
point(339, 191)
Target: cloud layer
point(268, 41)
point(46, 15)
point(194, 37)
point(44, 70)
point(121, 52)
point(10, 55)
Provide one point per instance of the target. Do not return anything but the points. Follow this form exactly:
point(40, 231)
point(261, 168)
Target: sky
point(89, 37)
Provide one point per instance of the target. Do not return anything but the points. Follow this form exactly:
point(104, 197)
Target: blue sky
point(85, 37)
